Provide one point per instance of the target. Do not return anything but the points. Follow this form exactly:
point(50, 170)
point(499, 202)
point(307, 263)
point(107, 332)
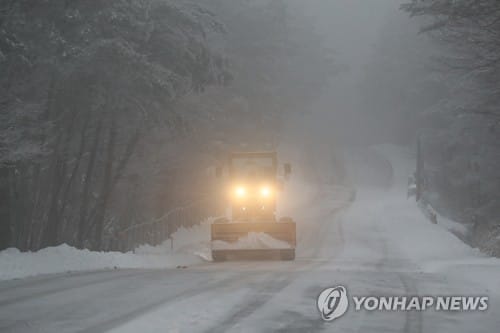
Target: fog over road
point(380, 244)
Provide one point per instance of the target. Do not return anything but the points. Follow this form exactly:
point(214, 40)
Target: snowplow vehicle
point(250, 191)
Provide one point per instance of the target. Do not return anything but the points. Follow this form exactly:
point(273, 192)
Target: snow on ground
point(212, 308)
point(190, 247)
point(381, 244)
point(403, 228)
point(452, 226)
point(386, 213)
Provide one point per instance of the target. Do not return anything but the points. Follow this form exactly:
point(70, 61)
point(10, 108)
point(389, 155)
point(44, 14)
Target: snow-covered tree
point(82, 82)
point(462, 151)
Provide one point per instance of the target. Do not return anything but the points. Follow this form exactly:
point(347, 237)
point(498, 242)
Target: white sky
point(351, 28)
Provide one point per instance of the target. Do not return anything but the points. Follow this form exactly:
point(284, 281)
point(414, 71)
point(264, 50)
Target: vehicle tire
point(287, 255)
point(217, 257)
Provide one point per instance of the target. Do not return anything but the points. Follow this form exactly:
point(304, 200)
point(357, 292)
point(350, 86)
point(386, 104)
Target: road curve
point(243, 296)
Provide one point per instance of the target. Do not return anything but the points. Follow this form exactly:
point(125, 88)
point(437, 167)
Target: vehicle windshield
point(251, 167)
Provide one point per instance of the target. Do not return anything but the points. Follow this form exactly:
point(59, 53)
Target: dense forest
point(438, 79)
point(113, 114)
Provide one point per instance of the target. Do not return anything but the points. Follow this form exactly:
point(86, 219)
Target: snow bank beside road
point(400, 233)
point(64, 258)
point(190, 247)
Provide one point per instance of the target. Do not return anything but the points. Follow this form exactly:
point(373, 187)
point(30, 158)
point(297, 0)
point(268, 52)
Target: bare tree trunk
point(106, 186)
point(23, 191)
point(14, 208)
point(5, 202)
point(74, 172)
point(86, 188)
point(52, 227)
point(35, 206)
point(52, 187)
point(49, 237)
point(100, 209)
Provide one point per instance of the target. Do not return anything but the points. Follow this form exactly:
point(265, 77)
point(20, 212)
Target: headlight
point(265, 192)
point(240, 191)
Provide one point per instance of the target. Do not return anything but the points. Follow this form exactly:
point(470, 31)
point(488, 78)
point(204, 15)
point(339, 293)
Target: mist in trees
point(83, 85)
point(433, 77)
point(420, 71)
point(113, 114)
point(462, 147)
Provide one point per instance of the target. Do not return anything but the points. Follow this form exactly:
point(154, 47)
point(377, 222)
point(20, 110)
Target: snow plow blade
point(232, 232)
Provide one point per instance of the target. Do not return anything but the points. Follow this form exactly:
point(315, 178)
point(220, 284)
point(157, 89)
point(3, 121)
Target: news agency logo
point(333, 303)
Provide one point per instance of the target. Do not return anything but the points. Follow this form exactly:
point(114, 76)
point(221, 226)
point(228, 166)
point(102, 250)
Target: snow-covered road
point(379, 245)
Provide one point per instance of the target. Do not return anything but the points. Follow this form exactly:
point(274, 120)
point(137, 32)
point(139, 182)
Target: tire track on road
point(274, 285)
point(337, 224)
point(144, 309)
point(30, 281)
point(55, 290)
point(414, 319)
point(270, 288)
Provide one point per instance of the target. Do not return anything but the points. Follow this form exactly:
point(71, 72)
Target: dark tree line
point(439, 76)
point(82, 84)
point(113, 112)
point(465, 169)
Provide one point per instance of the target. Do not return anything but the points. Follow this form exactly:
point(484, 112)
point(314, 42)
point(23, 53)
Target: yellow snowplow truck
point(250, 189)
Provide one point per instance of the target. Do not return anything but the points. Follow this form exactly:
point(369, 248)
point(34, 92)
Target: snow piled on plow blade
point(252, 241)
